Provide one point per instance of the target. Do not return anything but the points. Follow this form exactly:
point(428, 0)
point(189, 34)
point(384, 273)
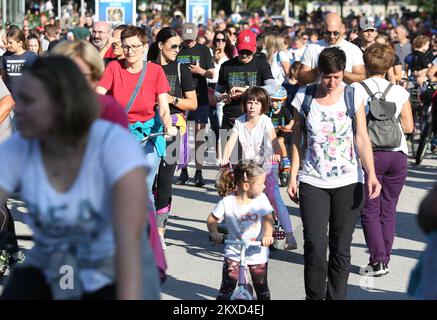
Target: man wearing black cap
point(199, 60)
point(367, 33)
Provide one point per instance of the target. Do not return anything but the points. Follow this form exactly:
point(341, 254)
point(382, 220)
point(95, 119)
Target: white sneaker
point(163, 245)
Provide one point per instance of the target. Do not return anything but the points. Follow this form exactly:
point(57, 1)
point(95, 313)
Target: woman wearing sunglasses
point(222, 51)
point(333, 36)
point(182, 98)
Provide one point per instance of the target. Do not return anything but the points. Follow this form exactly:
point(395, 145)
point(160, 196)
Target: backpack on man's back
point(382, 124)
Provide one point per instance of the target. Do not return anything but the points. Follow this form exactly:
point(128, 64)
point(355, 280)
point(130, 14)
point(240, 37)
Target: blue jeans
point(153, 161)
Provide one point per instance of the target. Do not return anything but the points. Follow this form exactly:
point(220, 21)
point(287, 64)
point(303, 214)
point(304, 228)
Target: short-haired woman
point(331, 191)
point(120, 79)
point(378, 218)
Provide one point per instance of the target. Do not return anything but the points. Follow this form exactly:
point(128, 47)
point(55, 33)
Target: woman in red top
point(120, 79)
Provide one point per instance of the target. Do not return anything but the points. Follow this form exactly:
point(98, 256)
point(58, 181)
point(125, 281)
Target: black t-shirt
point(419, 61)
point(178, 87)
point(282, 118)
point(233, 73)
point(13, 65)
point(397, 61)
point(291, 93)
point(202, 54)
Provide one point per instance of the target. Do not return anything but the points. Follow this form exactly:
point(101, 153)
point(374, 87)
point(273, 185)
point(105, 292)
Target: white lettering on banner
point(118, 3)
point(67, 280)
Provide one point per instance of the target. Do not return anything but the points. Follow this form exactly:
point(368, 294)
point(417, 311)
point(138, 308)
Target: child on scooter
point(248, 217)
point(256, 134)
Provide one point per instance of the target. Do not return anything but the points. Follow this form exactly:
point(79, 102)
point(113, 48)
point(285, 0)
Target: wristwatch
point(175, 101)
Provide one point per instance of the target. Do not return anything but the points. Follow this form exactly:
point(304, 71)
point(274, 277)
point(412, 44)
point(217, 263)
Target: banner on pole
point(198, 11)
point(117, 12)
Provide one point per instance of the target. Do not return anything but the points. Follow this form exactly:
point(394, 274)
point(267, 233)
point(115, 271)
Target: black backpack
point(382, 124)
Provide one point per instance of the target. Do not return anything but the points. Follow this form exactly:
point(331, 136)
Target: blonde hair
point(85, 51)
point(273, 43)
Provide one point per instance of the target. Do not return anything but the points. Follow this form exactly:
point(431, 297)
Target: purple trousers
point(378, 217)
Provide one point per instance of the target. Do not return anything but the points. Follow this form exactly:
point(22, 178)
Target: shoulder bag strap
point(137, 88)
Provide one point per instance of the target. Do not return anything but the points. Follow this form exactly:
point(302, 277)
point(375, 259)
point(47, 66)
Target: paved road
point(195, 264)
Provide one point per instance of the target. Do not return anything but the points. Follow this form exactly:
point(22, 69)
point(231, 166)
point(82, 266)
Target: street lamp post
point(4, 11)
point(287, 9)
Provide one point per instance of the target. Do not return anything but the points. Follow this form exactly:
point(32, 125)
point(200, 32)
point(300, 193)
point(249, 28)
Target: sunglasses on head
point(334, 33)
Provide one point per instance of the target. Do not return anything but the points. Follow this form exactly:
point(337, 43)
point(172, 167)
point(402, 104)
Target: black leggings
point(30, 284)
point(339, 209)
point(8, 238)
point(163, 185)
point(258, 273)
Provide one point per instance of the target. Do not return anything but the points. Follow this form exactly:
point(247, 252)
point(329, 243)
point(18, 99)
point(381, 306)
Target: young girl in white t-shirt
point(256, 134)
point(248, 217)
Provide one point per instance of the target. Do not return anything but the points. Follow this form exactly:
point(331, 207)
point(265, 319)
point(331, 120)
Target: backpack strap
point(137, 88)
point(310, 92)
point(367, 89)
point(386, 91)
point(350, 104)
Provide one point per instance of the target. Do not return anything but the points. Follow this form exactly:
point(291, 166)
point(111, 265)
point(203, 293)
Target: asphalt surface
point(195, 264)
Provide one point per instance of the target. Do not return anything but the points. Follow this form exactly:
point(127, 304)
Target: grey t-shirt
point(402, 51)
point(76, 225)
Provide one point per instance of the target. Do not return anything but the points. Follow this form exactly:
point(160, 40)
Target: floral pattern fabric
point(331, 158)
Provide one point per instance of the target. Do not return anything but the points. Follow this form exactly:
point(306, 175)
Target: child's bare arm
point(211, 222)
point(267, 222)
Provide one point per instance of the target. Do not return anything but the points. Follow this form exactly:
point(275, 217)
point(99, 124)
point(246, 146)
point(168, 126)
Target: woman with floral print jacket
point(331, 190)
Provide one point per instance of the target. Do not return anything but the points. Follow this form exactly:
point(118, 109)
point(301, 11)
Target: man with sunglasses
point(333, 36)
point(199, 60)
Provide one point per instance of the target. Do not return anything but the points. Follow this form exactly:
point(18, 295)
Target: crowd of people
point(276, 97)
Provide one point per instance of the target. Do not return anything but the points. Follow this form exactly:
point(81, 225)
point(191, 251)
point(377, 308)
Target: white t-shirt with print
point(397, 94)
point(255, 142)
point(331, 159)
point(277, 69)
point(80, 219)
point(244, 222)
point(354, 55)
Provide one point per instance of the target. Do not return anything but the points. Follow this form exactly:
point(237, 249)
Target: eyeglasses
point(220, 40)
point(133, 47)
point(334, 33)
